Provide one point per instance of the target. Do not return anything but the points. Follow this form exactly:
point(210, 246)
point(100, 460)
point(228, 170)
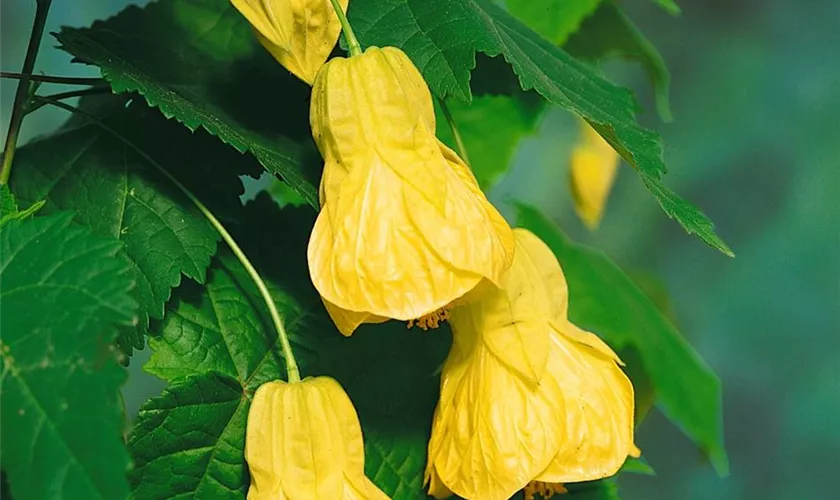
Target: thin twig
point(41, 11)
point(67, 80)
point(42, 100)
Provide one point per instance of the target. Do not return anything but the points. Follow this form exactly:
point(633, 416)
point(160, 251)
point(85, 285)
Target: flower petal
point(495, 432)
point(347, 321)
point(598, 413)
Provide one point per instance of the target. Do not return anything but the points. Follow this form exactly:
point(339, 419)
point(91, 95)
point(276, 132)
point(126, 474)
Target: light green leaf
point(444, 48)
point(119, 194)
point(222, 329)
point(199, 62)
point(610, 33)
point(491, 128)
point(64, 295)
point(10, 211)
point(604, 300)
point(555, 20)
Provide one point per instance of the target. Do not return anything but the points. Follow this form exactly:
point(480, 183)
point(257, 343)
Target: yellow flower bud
point(594, 166)
point(304, 442)
point(527, 398)
point(300, 34)
point(404, 230)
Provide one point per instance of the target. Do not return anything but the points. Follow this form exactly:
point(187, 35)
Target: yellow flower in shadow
point(304, 442)
point(594, 165)
point(404, 230)
point(527, 398)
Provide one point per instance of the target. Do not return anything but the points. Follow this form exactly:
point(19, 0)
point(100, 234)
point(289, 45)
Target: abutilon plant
point(286, 333)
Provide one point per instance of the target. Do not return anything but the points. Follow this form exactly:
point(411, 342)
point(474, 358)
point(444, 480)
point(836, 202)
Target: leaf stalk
point(459, 141)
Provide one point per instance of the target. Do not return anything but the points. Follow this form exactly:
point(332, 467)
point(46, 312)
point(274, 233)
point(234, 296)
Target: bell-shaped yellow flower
point(527, 398)
point(304, 442)
point(300, 34)
point(594, 165)
point(404, 230)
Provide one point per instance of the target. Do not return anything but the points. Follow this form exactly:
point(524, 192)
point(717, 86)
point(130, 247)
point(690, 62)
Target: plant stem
point(352, 41)
point(41, 10)
point(67, 80)
point(41, 100)
point(459, 142)
point(291, 365)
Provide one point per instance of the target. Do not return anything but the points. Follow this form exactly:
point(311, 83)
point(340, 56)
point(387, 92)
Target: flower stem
point(459, 142)
point(66, 80)
point(352, 41)
point(291, 365)
point(41, 10)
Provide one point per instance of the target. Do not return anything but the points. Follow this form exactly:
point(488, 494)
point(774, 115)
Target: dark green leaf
point(604, 300)
point(610, 33)
point(223, 327)
point(64, 294)
point(119, 194)
point(555, 20)
point(10, 210)
point(443, 47)
point(199, 62)
point(491, 128)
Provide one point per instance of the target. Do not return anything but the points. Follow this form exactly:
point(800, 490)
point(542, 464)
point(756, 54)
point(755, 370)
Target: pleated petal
point(598, 413)
point(347, 321)
point(304, 441)
point(299, 34)
point(403, 230)
point(594, 166)
point(496, 431)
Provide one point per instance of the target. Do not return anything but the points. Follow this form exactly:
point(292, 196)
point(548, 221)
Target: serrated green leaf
point(10, 210)
point(224, 328)
point(119, 194)
point(199, 62)
point(555, 20)
point(64, 295)
point(604, 300)
point(610, 33)
point(443, 47)
point(491, 128)
point(188, 442)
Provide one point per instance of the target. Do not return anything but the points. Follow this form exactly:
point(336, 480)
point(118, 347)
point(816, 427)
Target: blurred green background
point(755, 142)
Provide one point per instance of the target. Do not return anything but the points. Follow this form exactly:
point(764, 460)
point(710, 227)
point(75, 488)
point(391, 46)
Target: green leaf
point(199, 62)
point(670, 6)
point(119, 194)
point(555, 20)
point(610, 33)
point(604, 300)
point(443, 47)
point(491, 128)
point(638, 466)
point(10, 211)
point(222, 330)
point(64, 295)
point(188, 442)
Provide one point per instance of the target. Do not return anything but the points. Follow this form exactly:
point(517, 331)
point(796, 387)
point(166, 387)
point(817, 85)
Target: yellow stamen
point(431, 320)
point(545, 490)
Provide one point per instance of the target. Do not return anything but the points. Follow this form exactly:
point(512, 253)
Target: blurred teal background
point(755, 142)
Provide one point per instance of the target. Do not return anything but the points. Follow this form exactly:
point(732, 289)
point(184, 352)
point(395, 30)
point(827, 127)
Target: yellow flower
point(300, 34)
point(404, 230)
point(594, 166)
point(304, 443)
point(526, 396)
